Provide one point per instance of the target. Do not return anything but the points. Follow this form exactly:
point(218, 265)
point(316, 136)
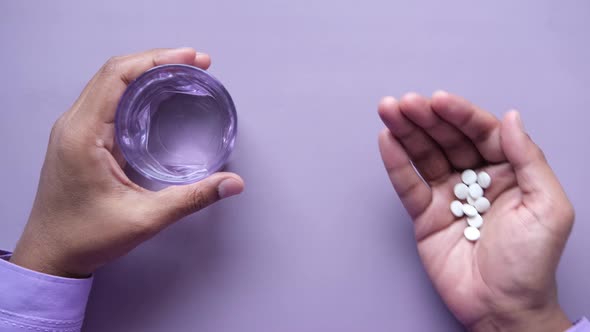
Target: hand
point(506, 280)
point(87, 212)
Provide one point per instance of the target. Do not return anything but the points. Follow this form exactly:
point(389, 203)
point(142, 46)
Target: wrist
point(548, 319)
point(33, 254)
point(35, 263)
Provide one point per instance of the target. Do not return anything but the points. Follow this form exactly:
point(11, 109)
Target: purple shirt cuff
point(39, 302)
point(583, 325)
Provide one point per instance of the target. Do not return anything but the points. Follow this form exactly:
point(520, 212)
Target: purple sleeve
point(583, 325)
point(32, 301)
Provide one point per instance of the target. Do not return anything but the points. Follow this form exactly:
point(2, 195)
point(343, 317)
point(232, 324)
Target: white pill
point(475, 191)
point(470, 200)
point(461, 191)
point(482, 204)
point(457, 209)
point(471, 233)
point(484, 179)
point(469, 177)
point(475, 221)
point(469, 210)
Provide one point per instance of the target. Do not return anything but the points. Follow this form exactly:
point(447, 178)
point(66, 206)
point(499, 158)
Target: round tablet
point(469, 210)
point(457, 209)
point(469, 177)
point(461, 191)
point(484, 179)
point(482, 204)
point(471, 233)
point(470, 200)
point(475, 191)
point(475, 221)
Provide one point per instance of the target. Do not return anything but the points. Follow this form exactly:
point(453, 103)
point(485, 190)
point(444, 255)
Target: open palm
point(509, 273)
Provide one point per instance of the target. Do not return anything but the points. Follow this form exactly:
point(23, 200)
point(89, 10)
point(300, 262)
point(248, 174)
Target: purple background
point(319, 241)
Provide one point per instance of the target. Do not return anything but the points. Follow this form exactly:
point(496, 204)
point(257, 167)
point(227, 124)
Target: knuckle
point(569, 213)
point(61, 137)
point(197, 200)
point(540, 155)
point(111, 66)
point(157, 50)
point(536, 154)
point(57, 128)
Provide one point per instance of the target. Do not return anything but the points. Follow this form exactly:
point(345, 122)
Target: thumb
point(542, 192)
point(176, 202)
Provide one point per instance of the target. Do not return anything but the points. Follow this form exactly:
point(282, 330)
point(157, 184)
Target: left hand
point(87, 212)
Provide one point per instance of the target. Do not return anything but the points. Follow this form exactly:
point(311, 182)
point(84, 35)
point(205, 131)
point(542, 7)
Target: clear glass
point(176, 124)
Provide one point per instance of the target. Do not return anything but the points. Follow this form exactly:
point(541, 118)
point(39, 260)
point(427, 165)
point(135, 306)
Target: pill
point(475, 191)
point(469, 177)
point(471, 233)
point(484, 179)
point(457, 209)
point(475, 221)
point(482, 204)
point(461, 191)
point(469, 210)
point(470, 200)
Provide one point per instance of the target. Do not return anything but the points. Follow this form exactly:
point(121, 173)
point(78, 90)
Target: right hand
point(87, 211)
point(506, 280)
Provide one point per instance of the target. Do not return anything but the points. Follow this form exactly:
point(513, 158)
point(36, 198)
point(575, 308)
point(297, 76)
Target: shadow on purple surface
point(145, 284)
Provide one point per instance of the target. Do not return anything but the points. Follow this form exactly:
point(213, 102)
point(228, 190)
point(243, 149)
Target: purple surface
point(318, 242)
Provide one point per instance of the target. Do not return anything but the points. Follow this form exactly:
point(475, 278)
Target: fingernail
point(202, 60)
point(201, 55)
point(229, 187)
point(387, 100)
point(440, 93)
point(411, 95)
point(519, 121)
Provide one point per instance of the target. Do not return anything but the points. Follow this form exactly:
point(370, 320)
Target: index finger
point(99, 99)
point(481, 127)
point(414, 193)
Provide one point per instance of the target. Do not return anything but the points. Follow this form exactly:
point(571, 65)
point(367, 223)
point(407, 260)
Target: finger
point(411, 189)
point(101, 98)
point(202, 60)
point(459, 149)
point(178, 201)
point(118, 72)
point(128, 68)
point(542, 192)
point(421, 149)
point(89, 87)
point(480, 126)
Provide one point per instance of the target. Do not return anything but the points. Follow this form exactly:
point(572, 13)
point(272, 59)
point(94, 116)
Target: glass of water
point(176, 124)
